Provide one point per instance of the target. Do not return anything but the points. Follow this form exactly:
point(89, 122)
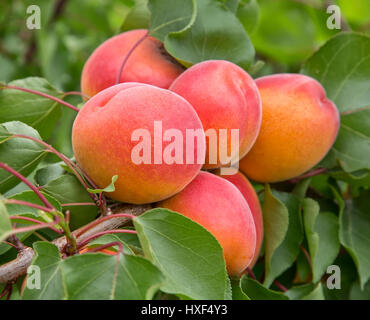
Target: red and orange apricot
point(240, 181)
point(147, 63)
point(219, 207)
point(299, 126)
point(225, 98)
point(115, 134)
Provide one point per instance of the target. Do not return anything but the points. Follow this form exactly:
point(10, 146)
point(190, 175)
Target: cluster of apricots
point(285, 124)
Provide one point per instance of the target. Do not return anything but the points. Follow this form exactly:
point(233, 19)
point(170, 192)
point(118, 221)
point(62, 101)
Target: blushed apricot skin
point(106, 251)
point(225, 97)
point(219, 207)
point(148, 63)
point(240, 181)
point(299, 126)
point(102, 143)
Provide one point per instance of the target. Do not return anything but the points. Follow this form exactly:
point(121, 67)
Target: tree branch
point(17, 267)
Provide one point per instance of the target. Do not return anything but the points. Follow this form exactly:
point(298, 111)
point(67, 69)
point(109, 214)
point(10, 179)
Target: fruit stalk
point(17, 267)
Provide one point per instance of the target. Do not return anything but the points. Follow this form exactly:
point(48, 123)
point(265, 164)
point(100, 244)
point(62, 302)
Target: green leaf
point(358, 294)
point(208, 39)
point(360, 178)
point(356, 12)
point(303, 268)
point(352, 147)
point(354, 226)
point(188, 255)
point(256, 291)
point(170, 16)
point(109, 188)
point(322, 232)
point(283, 232)
point(306, 292)
point(248, 14)
point(342, 66)
point(237, 291)
point(97, 276)
point(30, 196)
point(47, 258)
point(24, 211)
point(138, 17)
point(5, 225)
point(232, 5)
point(67, 189)
point(286, 32)
point(301, 187)
point(48, 173)
point(23, 155)
point(4, 134)
point(36, 111)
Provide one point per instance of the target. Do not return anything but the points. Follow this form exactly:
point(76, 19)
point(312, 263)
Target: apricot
point(219, 207)
point(225, 97)
point(115, 133)
point(240, 181)
point(106, 251)
point(299, 126)
point(148, 63)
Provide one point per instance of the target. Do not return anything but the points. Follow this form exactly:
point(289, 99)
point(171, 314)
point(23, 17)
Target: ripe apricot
point(148, 63)
point(299, 126)
point(219, 207)
point(115, 134)
point(240, 181)
point(225, 97)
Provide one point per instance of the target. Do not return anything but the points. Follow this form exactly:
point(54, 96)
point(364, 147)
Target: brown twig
point(17, 267)
point(19, 246)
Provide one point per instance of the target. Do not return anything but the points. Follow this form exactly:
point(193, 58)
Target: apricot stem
point(7, 290)
point(98, 221)
point(61, 156)
point(128, 56)
point(251, 273)
point(312, 173)
point(280, 286)
point(19, 246)
point(99, 234)
point(28, 204)
point(34, 221)
point(303, 249)
point(40, 225)
point(76, 93)
point(78, 204)
point(108, 245)
point(9, 244)
point(45, 95)
point(28, 183)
